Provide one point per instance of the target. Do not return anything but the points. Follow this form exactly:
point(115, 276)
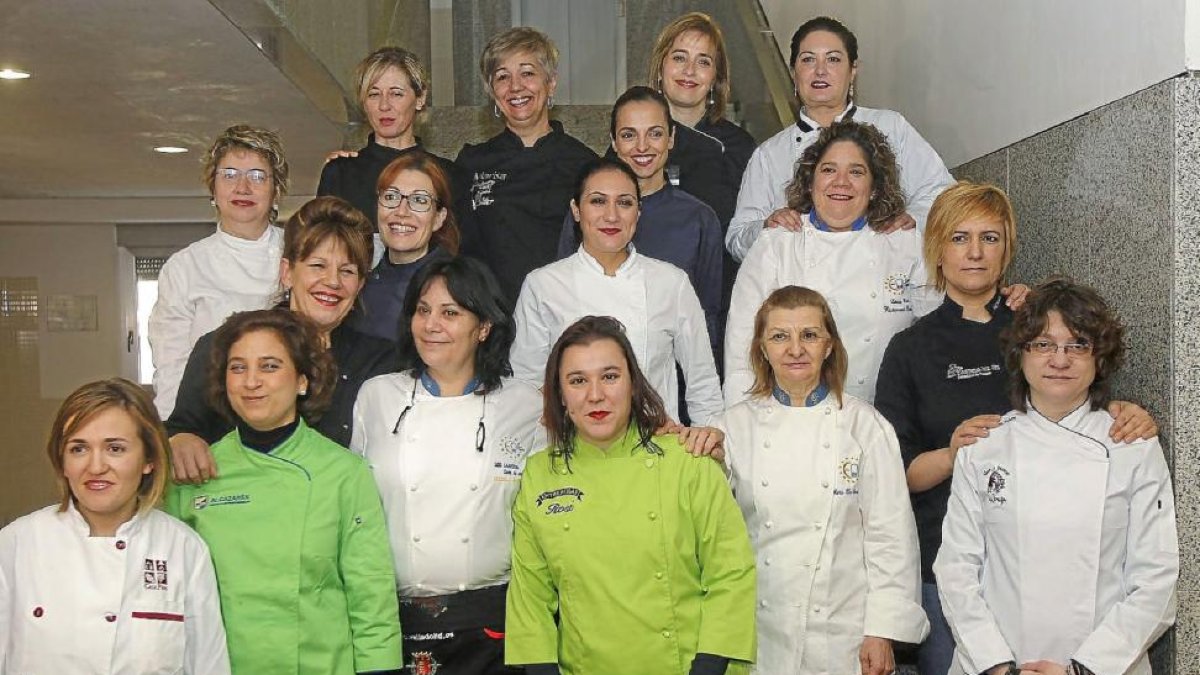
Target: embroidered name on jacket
point(894, 299)
point(204, 501)
point(957, 372)
point(848, 473)
point(557, 494)
point(997, 481)
point(482, 186)
point(154, 574)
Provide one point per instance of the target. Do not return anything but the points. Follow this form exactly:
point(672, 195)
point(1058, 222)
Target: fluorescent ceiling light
point(170, 149)
point(13, 74)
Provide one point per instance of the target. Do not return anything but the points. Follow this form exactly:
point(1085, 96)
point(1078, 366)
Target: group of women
point(367, 478)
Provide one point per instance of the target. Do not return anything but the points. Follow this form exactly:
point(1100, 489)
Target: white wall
point(977, 75)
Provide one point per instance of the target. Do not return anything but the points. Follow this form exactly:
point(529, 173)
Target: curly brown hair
point(1086, 315)
point(649, 413)
point(887, 200)
point(299, 336)
point(263, 142)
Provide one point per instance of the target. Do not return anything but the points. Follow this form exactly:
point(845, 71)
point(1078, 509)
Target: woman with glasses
point(1059, 551)
point(447, 440)
point(416, 226)
point(942, 383)
point(326, 253)
point(393, 93)
point(232, 270)
point(818, 476)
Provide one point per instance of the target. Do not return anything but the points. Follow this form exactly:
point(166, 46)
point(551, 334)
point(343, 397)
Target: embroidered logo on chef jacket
point(423, 663)
point(482, 186)
point(557, 497)
point(510, 466)
point(204, 501)
point(957, 372)
point(848, 476)
point(154, 574)
point(997, 481)
point(894, 297)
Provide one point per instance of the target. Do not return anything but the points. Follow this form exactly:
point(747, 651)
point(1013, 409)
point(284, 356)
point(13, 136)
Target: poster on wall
point(71, 313)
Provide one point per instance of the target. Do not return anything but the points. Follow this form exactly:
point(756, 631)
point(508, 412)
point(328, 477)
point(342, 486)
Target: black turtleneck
point(266, 441)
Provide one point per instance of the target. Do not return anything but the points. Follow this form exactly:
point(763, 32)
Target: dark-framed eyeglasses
point(418, 202)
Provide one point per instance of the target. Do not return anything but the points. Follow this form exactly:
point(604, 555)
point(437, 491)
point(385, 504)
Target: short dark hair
point(301, 339)
point(825, 23)
point(1086, 315)
point(475, 289)
point(639, 94)
point(887, 199)
point(595, 166)
point(647, 408)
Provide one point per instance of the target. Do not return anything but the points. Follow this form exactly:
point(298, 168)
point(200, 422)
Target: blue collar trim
point(811, 400)
point(820, 224)
point(432, 387)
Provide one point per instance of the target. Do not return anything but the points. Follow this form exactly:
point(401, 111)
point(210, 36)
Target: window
point(147, 295)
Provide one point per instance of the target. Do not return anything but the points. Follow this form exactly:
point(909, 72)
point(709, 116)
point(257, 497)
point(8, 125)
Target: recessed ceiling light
point(13, 74)
point(170, 149)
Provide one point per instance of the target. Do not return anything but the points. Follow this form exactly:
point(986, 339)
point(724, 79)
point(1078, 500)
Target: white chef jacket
point(823, 492)
point(653, 299)
point(875, 284)
point(198, 288)
point(923, 175)
point(1058, 544)
point(143, 602)
point(448, 506)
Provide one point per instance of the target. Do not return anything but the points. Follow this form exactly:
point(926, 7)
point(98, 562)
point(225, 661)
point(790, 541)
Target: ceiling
point(112, 80)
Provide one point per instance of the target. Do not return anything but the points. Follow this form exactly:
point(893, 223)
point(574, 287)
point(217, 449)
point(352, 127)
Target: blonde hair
point(94, 398)
point(833, 369)
point(959, 203)
point(515, 40)
point(370, 69)
point(264, 142)
point(705, 25)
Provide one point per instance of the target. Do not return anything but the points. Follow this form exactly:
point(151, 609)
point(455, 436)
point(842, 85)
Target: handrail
point(771, 64)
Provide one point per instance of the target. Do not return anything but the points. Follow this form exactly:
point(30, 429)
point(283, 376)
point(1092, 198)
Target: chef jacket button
point(649, 464)
point(416, 539)
point(872, 294)
point(824, 483)
point(474, 487)
point(110, 617)
point(465, 539)
point(817, 566)
point(762, 603)
point(652, 515)
point(765, 482)
point(120, 544)
point(767, 561)
point(768, 524)
point(767, 443)
point(862, 380)
point(345, 377)
point(38, 612)
point(658, 575)
point(867, 339)
point(827, 411)
point(816, 610)
point(412, 488)
point(566, 526)
point(818, 526)
point(825, 444)
point(345, 426)
point(666, 633)
point(462, 587)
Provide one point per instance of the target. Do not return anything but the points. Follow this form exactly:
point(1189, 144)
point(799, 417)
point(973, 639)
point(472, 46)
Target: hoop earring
point(496, 111)
point(660, 84)
point(549, 102)
point(851, 91)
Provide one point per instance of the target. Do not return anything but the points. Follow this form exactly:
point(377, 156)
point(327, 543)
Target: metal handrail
point(770, 61)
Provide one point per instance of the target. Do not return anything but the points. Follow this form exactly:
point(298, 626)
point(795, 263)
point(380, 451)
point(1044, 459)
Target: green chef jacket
point(301, 552)
point(645, 558)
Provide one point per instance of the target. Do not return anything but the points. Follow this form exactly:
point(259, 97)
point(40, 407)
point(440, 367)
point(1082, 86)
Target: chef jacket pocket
point(157, 637)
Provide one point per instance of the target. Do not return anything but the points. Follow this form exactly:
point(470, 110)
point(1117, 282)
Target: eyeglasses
point(232, 175)
point(1048, 348)
point(418, 202)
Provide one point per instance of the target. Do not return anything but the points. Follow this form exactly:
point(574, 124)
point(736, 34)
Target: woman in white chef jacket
point(1059, 551)
point(608, 277)
point(446, 439)
point(847, 189)
point(818, 476)
point(103, 582)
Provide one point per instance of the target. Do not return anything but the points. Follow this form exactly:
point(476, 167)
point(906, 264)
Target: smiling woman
point(159, 597)
point(325, 257)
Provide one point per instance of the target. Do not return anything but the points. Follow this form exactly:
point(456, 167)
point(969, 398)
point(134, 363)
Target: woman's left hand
point(900, 222)
point(702, 441)
point(1131, 422)
point(876, 656)
point(1044, 667)
point(1015, 294)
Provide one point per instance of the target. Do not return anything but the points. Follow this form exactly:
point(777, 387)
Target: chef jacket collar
point(817, 396)
point(806, 123)
point(595, 264)
point(859, 224)
point(514, 141)
point(433, 388)
point(238, 242)
point(80, 525)
point(624, 447)
point(954, 310)
point(1071, 423)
